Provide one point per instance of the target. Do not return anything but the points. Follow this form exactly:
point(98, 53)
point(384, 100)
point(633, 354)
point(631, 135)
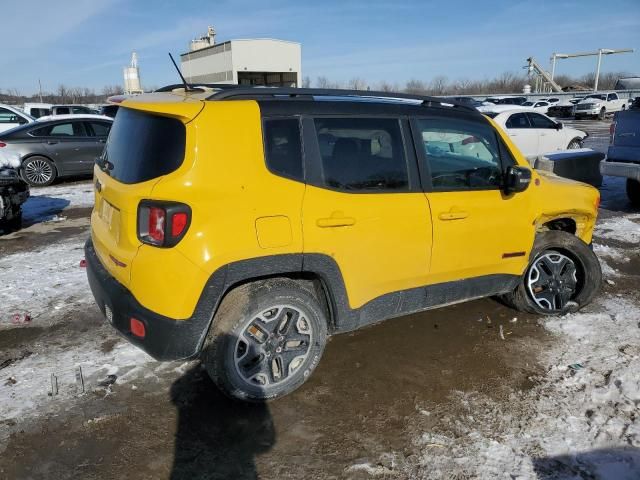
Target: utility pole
point(599, 54)
point(40, 89)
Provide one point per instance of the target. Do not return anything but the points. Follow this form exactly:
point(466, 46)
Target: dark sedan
point(60, 146)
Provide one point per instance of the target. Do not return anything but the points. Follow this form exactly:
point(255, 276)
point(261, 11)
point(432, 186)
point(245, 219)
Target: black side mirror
point(516, 179)
point(559, 125)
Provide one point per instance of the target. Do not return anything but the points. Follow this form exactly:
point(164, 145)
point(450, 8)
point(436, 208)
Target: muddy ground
point(355, 418)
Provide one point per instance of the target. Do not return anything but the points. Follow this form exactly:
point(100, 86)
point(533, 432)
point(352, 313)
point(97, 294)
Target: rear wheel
point(563, 276)
point(266, 339)
point(602, 114)
point(633, 192)
point(38, 171)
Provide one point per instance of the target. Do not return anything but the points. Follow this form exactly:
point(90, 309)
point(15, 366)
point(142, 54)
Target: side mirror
point(559, 125)
point(516, 179)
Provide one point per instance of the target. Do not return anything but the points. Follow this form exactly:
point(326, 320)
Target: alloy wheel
point(273, 346)
point(38, 172)
point(552, 281)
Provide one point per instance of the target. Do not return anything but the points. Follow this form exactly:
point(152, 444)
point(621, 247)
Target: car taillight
point(612, 132)
point(2, 144)
point(162, 223)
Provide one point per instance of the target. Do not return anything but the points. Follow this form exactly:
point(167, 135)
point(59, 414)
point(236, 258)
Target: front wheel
point(267, 338)
point(574, 144)
point(563, 276)
point(633, 192)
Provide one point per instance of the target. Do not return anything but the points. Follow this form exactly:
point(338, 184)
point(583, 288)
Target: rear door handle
point(51, 142)
point(453, 215)
point(335, 221)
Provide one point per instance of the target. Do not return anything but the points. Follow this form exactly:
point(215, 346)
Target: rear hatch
point(627, 129)
point(147, 141)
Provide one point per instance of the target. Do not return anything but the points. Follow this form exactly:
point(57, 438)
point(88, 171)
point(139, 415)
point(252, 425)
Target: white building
point(260, 61)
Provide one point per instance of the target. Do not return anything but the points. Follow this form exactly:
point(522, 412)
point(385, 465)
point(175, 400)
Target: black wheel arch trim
point(172, 339)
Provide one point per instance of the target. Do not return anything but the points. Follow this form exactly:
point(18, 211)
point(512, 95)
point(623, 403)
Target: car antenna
point(187, 87)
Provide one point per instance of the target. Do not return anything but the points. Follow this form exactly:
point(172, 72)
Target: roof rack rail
point(197, 86)
point(249, 93)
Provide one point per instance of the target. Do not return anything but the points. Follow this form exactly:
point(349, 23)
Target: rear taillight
point(161, 223)
point(2, 144)
point(612, 132)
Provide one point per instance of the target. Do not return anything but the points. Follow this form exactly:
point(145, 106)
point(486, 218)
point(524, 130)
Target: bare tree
point(439, 85)
point(357, 84)
point(415, 87)
point(306, 82)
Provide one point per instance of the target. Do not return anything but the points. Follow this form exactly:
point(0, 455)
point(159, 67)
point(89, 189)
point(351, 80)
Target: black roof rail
point(197, 86)
point(254, 93)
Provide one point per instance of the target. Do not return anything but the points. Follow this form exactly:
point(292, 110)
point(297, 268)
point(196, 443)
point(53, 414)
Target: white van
point(11, 117)
point(37, 110)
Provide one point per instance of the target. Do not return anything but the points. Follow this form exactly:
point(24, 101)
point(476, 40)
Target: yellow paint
point(381, 242)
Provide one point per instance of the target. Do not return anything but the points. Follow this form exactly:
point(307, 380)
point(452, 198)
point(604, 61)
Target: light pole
point(599, 53)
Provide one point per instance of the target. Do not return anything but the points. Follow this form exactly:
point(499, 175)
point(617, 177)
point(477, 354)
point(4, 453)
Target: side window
point(362, 154)
point(99, 129)
point(540, 121)
point(62, 111)
point(461, 155)
point(283, 147)
point(7, 116)
point(518, 120)
point(69, 129)
point(612, 96)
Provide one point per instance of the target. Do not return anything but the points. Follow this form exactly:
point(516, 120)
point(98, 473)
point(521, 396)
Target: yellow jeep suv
point(246, 225)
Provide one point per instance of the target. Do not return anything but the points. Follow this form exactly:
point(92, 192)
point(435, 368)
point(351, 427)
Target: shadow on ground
point(604, 464)
point(216, 437)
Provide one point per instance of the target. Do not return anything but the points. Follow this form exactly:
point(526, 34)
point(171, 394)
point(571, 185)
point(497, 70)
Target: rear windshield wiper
point(104, 164)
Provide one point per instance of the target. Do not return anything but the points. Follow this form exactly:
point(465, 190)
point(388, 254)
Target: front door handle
point(52, 142)
point(453, 215)
point(337, 219)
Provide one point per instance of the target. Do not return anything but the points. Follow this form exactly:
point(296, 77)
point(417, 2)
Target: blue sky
point(87, 42)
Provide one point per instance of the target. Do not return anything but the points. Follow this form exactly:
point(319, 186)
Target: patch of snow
point(9, 158)
point(39, 281)
point(622, 228)
point(575, 420)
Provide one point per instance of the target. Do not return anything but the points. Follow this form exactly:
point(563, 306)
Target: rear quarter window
point(143, 146)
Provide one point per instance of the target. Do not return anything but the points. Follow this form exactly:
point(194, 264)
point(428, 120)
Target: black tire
point(633, 192)
point(575, 143)
point(240, 323)
point(38, 171)
point(588, 275)
point(602, 114)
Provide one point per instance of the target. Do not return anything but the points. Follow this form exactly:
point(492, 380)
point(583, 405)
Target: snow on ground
point(42, 281)
point(581, 417)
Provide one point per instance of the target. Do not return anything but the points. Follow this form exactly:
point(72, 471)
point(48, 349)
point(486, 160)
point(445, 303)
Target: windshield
point(527, 104)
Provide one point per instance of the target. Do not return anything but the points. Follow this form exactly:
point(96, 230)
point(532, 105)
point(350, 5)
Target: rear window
point(142, 146)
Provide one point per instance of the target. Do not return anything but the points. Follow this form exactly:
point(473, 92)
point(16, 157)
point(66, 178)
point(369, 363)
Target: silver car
point(54, 147)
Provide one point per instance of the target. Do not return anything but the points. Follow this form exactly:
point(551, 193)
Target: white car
point(495, 109)
point(11, 117)
point(537, 105)
point(37, 110)
point(536, 134)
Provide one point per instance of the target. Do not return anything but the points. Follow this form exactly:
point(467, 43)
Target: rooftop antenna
point(187, 88)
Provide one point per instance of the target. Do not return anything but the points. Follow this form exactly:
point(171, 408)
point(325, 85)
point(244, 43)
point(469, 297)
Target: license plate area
point(110, 216)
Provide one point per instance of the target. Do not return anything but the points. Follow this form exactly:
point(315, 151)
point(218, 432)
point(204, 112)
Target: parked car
point(58, 146)
point(599, 105)
point(537, 105)
point(507, 100)
point(293, 219)
point(623, 156)
point(495, 109)
point(11, 117)
point(536, 134)
point(37, 110)
point(564, 109)
point(73, 110)
point(109, 110)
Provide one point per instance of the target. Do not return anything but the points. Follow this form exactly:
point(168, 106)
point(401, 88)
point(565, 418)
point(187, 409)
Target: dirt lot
point(433, 395)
